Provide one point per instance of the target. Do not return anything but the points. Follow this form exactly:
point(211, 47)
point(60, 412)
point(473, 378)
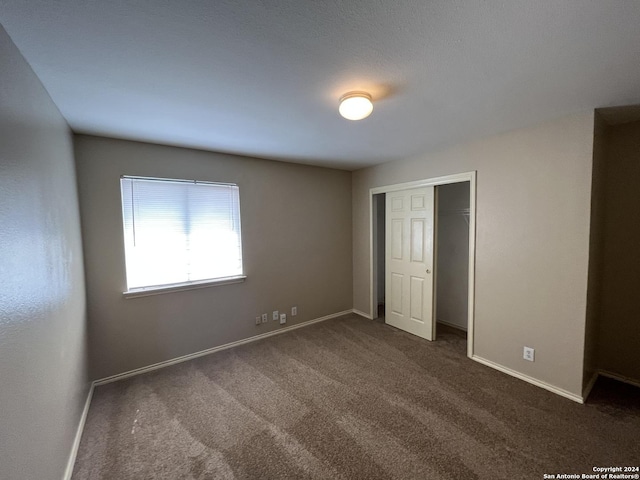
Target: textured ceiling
point(263, 77)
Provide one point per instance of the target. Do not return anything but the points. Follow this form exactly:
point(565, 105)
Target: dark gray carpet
point(346, 399)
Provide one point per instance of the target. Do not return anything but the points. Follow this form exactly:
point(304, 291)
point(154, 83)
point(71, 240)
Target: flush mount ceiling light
point(355, 105)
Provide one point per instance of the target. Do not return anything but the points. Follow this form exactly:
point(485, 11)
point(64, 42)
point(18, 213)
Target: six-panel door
point(409, 261)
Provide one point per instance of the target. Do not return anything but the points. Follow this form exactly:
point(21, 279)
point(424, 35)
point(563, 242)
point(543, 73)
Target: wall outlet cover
point(294, 311)
point(283, 318)
point(258, 321)
point(529, 354)
point(275, 315)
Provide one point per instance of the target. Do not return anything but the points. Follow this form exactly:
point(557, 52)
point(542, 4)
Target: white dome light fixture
point(355, 105)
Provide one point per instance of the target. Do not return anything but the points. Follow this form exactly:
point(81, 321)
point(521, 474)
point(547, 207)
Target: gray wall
point(296, 234)
point(452, 272)
point(619, 320)
point(533, 215)
point(43, 377)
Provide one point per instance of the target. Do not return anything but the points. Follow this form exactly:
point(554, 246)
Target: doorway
point(450, 295)
point(379, 268)
point(452, 264)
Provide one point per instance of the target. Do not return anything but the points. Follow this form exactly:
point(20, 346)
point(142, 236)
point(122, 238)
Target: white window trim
point(178, 287)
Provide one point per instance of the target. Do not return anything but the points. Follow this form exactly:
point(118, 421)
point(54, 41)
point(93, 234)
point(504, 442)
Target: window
point(180, 232)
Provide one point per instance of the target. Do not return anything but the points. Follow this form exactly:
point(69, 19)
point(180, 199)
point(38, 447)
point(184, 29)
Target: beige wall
point(452, 272)
point(296, 234)
point(533, 209)
point(619, 321)
point(43, 362)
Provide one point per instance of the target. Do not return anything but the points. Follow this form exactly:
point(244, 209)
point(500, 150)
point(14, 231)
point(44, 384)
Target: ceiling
point(263, 77)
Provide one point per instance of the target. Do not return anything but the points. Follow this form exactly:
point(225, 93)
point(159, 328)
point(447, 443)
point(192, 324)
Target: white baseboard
point(620, 378)
point(190, 356)
point(76, 441)
point(528, 379)
point(362, 314)
point(587, 389)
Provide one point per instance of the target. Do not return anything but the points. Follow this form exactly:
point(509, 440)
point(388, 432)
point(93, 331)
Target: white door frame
point(447, 179)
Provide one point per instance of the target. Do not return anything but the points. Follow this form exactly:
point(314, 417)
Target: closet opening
point(378, 249)
point(452, 258)
point(422, 257)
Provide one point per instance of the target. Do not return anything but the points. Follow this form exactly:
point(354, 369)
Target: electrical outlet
point(283, 318)
point(275, 314)
point(265, 318)
point(529, 354)
point(257, 320)
point(294, 311)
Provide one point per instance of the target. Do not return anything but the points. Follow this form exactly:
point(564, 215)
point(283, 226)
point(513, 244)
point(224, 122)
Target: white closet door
point(409, 261)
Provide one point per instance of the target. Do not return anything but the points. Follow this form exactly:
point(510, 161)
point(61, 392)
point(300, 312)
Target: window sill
point(146, 291)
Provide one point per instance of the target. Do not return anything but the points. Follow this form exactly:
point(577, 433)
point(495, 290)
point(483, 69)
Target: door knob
point(428, 271)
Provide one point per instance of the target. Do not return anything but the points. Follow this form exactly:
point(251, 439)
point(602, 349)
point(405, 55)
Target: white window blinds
point(178, 231)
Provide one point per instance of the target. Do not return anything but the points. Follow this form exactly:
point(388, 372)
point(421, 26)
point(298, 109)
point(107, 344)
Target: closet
point(452, 257)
